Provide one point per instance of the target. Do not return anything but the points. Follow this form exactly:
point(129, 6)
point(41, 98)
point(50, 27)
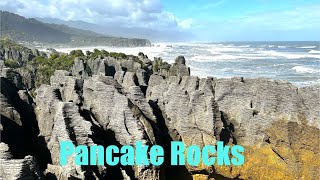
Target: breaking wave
point(307, 47)
point(304, 69)
point(314, 52)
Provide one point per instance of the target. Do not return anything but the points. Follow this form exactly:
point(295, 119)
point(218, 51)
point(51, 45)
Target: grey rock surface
point(115, 112)
point(252, 105)
point(21, 56)
point(11, 169)
point(188, 107)
point(119, 102)
point(60, 121)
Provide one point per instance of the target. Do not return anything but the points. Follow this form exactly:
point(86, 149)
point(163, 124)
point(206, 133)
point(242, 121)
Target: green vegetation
point(103, 53)
point(11, 63)
point(97, 54)
point(42, 68)
point(140, 54)
point(158, 64)
point(8, 43)
point(31, 30)
point(45, 67)
point(77, 53)
point(118, 55)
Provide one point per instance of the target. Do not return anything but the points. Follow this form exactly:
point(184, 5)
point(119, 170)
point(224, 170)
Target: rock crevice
point(119, 102)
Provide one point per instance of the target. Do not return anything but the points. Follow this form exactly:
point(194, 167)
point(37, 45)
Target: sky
point(201, 20)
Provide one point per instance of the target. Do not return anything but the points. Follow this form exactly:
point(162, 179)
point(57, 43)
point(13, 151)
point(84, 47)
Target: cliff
point(119, 100)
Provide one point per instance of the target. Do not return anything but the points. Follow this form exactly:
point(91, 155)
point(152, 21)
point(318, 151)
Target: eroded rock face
point(311, 97)
point(272, 120)
point(188, 107)
point(105, 107)
point(252, 105)
point(22, 55)
point(18, 130)
point(121, 114)
point(26, 168)
point(123, 101)
point(61, 121)
point(15, 56)
point(179, 68)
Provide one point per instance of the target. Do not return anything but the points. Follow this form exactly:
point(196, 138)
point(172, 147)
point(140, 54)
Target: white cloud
point(139, 13)
point(186, 24)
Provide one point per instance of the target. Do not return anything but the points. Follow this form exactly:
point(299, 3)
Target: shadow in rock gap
point(106, 138)
point(227, 132)
point(23, 140)
point(170, 172)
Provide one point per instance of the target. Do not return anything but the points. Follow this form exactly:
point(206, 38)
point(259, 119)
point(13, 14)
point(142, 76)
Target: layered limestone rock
point(79, 68)
point(122, 115)
point(20, 54)
point(15, 77)
point(58, 118)
point(249, 112)
point(61, 121)
point(10, 169)
point(13, 60)
point(109, 65)
point(9, 111)
point(272, 120)
point(18, 122)
point(311, 100)
point(188, 107)
point(118, 102)
point(17, 131)
point(69, 86)
point(189, 110)
point(179, 68)
point(252, 105)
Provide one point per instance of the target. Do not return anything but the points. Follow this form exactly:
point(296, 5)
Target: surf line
point(141, 154)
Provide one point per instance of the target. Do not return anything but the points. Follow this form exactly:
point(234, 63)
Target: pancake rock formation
point(118, 101)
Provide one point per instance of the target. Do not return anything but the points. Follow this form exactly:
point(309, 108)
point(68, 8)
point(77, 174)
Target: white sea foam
point(226, 49)
point(307, 47)
point(200, 72)
point(307, 83)
point(290, 55)
point(228, 57)
point(314, 52)
point(305, 69)
point(214, 58)
point(244, 46)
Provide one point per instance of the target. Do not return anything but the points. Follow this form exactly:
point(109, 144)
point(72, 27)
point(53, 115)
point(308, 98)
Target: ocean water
point(296, 62)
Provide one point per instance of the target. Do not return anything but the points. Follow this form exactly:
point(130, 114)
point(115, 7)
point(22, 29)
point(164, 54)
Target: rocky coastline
point(118, 101)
